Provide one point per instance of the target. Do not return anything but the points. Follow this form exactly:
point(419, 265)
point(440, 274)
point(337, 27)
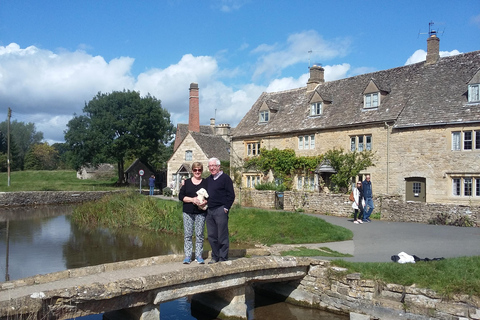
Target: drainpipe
point(388, 153)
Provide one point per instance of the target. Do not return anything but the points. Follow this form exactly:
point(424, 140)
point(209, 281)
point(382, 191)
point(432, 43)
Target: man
point(220, 200)
point(367, 195)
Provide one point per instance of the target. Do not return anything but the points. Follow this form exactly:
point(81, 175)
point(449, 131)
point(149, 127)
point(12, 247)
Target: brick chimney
point(193, 109)
point(316, 77)
point(433, 49)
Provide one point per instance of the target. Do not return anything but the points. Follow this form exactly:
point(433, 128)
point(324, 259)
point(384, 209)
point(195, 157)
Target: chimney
point(316, 77)
point(193, 106)
point(433, 49)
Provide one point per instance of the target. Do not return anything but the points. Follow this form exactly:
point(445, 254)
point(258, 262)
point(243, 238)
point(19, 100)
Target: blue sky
point(55, 55)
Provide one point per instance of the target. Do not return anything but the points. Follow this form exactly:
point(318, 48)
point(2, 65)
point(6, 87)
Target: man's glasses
point(197, 170)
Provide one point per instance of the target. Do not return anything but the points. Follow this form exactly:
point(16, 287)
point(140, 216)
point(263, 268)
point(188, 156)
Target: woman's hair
point(197, 165)
point(359, 182)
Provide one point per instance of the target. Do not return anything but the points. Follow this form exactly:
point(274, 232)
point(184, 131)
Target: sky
point(56, 55)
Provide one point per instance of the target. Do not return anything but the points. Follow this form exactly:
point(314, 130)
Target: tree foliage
point(284, 164)
point(41, 156)
point(22, 136)
point(118, 125)
point(347, 165)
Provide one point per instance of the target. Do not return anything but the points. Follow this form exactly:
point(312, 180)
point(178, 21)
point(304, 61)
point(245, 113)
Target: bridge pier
point(227, 304)
point(147, 312)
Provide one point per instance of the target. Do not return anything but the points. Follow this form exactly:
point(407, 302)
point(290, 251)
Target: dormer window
point(371, 100)
point(316, 109)
point(474, 92)
point(264, 116)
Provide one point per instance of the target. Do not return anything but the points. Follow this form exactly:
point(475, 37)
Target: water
point(44, 240)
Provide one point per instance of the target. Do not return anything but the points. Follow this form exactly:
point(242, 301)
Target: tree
point(23, 135)
point(347, 165)
point(41, 156)
point(116, 126)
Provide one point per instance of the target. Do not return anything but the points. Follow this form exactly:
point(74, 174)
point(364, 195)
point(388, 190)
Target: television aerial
point(431, 31)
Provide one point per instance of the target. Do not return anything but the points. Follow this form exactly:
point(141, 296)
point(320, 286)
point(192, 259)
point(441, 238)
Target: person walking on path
point(151, 184)
point(193, 216)
point(221, 198)
point(359, 203)
point(368, 196)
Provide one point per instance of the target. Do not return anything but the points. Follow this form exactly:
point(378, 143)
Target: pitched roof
point(212, 145)
point(413, 95)
point(182, 131)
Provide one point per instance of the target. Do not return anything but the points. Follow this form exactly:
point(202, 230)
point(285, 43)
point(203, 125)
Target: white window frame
point(467, 140)
point(371, 100)
point(361, 143)
point(474, 92)
point(253, 149)
point(264, 116)
point(188, 155)
point(316, 108)
point(306, 142)
point(467, 186)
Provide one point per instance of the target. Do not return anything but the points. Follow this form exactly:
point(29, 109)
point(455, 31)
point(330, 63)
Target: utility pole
point(8, 145)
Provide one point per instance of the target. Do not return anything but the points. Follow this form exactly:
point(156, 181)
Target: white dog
point(202, 194)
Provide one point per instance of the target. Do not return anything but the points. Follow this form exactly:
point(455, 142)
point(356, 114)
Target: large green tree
point(41, 156)
point(22, 136)
point(117, 125)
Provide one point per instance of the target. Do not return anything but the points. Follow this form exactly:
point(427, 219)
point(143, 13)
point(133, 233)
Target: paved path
point(379, 240)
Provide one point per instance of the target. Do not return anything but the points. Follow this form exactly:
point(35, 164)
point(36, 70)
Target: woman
point(193, 216)
point(359, 203)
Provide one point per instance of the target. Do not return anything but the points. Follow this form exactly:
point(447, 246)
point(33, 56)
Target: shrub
point(167, 192)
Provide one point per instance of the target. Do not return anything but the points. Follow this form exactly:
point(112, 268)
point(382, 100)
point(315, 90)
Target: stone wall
point(391, 208)
point(32, 198)
point(330, 288)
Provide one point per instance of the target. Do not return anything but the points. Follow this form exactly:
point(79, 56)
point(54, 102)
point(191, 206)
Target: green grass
point(58, 180)
point(321, 252)
point(270, 227)
point(447, 277)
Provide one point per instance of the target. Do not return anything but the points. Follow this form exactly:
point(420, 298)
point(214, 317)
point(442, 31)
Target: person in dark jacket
point(221, 197)
point(151, 184)
point(368, 196)
point(193, 216)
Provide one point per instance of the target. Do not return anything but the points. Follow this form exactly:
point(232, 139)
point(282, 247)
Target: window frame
point(474, 92)
point(264, 116)
point(371, 100)
point(466, 186)
point(316, 109)
point(306, 142)
point(252, 148)
point(365, 144)
point(465, 140)
point(188, 155)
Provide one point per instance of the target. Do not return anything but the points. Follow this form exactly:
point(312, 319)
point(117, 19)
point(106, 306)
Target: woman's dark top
point(190, 190)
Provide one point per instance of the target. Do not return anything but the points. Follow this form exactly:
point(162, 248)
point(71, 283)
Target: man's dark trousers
point(217, 228)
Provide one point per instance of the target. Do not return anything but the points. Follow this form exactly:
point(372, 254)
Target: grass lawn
point(57, 180)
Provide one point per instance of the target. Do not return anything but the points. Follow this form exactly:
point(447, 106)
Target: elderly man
point(221, 197)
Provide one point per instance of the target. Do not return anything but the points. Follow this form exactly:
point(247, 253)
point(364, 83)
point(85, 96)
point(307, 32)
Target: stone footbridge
point(137, 287)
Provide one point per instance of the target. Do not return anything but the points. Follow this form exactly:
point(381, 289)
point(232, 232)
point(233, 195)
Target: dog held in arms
point(202, 194)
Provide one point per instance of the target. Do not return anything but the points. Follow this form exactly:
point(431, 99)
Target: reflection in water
point(44, 240)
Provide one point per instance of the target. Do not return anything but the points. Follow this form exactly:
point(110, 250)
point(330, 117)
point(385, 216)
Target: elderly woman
point(193, 215)
point(359, 203)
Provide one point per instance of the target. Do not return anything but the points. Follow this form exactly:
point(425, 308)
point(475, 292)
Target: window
point(474, 92)
point(188, 155)
point(316, 109)
point(253, 149)
point(417, 188)
point(361, 143)
point(371, 100)
point(306, 183)
point(252, 181)
point(264, 116)
point(466, 140)
point(306, 142)
point(466, 186)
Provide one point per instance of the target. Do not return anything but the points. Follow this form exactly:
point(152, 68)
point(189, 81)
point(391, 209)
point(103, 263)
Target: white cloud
point(421, 55)
point(297, 50)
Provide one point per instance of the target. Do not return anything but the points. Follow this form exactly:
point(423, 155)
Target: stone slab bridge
point(134, 289)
